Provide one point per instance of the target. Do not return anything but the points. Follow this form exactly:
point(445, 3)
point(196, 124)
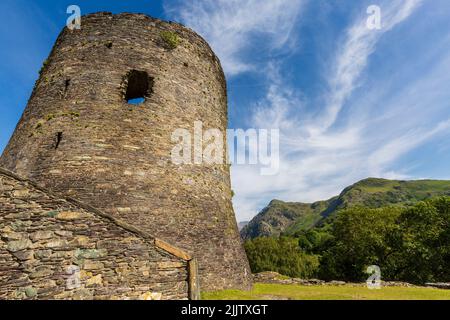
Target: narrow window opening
point(58, 139)
point(66, 85)
point(139, 87)
point(136, 101)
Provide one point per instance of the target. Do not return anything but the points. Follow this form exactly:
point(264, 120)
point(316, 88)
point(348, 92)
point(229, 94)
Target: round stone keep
point(98, 128)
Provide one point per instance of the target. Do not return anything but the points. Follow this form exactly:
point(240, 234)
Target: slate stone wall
point(78, 136)
point(52, 248)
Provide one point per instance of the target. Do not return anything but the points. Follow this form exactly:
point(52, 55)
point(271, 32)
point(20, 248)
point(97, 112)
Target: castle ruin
point(87, 177)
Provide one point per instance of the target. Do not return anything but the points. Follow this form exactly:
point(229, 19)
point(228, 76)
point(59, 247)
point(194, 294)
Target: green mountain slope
point(278, 216)
point(289, 217)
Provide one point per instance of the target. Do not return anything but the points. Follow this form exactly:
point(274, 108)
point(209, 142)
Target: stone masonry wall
point(79, 137)
point(42, 236)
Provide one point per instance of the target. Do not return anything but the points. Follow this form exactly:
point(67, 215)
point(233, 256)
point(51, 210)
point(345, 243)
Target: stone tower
point(80, 137)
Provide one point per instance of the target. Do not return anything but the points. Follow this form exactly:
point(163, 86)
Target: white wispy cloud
point(323, 149)
point(234, 26)
point(380, 159)
point(319, 161)
point(352, 58)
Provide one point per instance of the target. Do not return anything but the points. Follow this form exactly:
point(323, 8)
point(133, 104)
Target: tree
point(360, 240)
point(408, 244)
point(425, 242)
point(282, 255)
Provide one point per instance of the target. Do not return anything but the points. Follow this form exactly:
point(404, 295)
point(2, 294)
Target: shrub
point(44, 64)
point(171, 39)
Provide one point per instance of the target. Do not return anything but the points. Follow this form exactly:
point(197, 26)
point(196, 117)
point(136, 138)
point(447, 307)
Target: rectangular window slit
point(66, 85)
point(58, 139)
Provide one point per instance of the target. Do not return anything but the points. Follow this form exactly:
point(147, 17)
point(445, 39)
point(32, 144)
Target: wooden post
point(193, 280)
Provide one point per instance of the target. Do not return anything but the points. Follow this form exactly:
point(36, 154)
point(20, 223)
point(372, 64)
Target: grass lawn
point(262, 291)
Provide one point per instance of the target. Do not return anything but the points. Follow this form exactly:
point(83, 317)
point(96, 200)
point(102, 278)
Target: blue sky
point(349, 102)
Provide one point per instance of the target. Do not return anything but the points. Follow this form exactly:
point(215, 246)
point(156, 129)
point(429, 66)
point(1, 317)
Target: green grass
point(420, 187)
point(305, 223)
point(262, 291)
point(386, 187)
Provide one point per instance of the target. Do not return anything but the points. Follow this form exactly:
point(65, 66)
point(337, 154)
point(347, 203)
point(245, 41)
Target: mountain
point(278, 216)
point(242, 224)
point(289, 217)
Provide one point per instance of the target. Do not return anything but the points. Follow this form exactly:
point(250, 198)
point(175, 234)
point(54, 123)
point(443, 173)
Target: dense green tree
point(408, 244)
point(424, 235)
point(315, 241)
point(282, 255)
point(359, 240)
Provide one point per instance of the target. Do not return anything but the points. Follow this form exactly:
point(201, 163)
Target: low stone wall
point(439, 285)
point(52, 248)
point(276, 278)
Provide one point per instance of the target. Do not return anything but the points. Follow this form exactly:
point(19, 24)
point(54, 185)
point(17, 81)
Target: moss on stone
point(171, 39)
point(30, 292)
point(52, 214)
point(44, 64)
